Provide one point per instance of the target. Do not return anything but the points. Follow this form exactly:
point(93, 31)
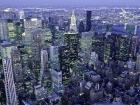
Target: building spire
point(73, 26)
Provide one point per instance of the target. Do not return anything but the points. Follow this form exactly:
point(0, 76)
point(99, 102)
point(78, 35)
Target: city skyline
point(62, 52)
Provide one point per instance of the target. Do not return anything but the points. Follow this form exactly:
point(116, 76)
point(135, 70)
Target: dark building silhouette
point(88, 20)
point(81, 27)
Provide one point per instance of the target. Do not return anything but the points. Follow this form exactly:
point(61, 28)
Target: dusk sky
point(68, 2)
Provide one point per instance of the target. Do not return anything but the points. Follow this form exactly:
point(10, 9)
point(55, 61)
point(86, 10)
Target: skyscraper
point(88, 20)
point(134, 45)
point(11, 30)
point(54, 58)
point(122, 48)
point(85, 46)
point(73, 26)
point(3, 30)
point(98, 45)
point(64, 63)
point(81, 27)
point(29, 25)
point(138, 63)
point(17, 70)
point(72, 41)
point(44, 63)
point(10, 89)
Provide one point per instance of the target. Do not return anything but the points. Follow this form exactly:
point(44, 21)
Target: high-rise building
point(3, 30)
point(11, 30)
point(10, 89)
point(44, 63)
point(30, 25)
point(98, 45)
point(17, 67)
point(138, 63)
point(73, 26)
point(68, 55)
point(54, 58)
point(88, 20)
point(107, 49)
point(64, 59)
point(19, 30)
point(86, 46)
point(134, 46)
point(48, 37)
point(72, 41)
point(122, 48)
point(81, 27)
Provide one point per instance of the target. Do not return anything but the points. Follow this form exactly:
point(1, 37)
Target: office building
point(122, 48)
point(17, 70)
point(11, 30)
point(3, 30)
point(72, 42)
point(54, 58)
point(81, 27)
point(30, 25)
point(85, 46)
point(64, 59)
point(98, 45)
point(44, 63)
point(138, 63)
point(88, 20)
point(10, 89)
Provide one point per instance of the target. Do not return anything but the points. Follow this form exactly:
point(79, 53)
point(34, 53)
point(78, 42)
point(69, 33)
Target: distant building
point(122, 48)
point(11, 30)
point(88, 20)
point(21, 14)
point(81, 27)
point(138, 63)
point(29, 25)
point(134, 46)
point(3, 30)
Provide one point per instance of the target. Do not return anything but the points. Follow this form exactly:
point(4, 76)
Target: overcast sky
point(68, 2)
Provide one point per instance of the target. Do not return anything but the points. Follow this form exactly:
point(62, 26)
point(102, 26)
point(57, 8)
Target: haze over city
point(69, 3)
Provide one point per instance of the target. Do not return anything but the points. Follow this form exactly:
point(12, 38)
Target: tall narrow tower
point(10, 89)
point(73, 27)
point(88, 20)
